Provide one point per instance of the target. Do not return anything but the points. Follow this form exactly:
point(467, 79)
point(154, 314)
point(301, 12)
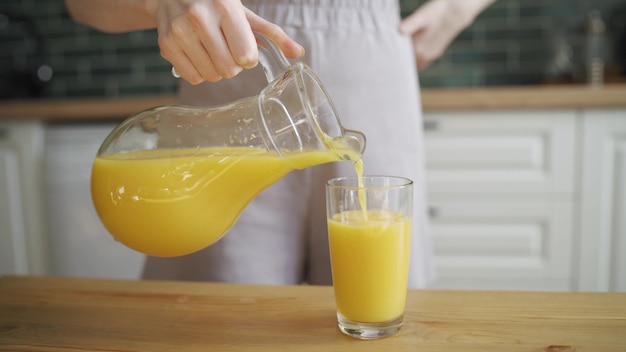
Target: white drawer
point(495, 151)
point(503, 244)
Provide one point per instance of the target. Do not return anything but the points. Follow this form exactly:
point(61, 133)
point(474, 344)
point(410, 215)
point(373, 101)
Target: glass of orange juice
point(369, 229)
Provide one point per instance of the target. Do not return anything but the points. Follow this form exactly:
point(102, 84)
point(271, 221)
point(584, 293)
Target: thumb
point(413, 23)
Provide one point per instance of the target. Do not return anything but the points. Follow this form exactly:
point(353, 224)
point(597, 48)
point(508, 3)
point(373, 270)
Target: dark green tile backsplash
point(514, 42)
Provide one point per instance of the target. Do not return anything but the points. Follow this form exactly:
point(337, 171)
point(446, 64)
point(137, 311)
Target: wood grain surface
point(72, 314)
point(525, 97)
point(478, 98)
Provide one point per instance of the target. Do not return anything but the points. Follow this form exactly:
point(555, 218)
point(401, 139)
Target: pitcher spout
point(360, 139)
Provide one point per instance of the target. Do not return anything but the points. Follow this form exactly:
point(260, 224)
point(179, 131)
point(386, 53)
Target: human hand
point(207, 40)
point(434, 25)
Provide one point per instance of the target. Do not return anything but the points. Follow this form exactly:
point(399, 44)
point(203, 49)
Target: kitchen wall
point(513, 42)
point(516, 42)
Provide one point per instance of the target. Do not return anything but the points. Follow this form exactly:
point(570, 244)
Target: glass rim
point(351, 182)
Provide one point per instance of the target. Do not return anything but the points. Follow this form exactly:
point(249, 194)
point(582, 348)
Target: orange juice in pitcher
point(168, 203)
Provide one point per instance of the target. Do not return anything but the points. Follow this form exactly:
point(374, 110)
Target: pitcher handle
point(272, 60)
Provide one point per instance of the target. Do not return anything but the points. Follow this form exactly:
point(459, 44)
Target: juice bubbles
point(168, 202)
point(370, 260)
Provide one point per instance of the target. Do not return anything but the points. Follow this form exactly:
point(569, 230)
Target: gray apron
point(368, 69)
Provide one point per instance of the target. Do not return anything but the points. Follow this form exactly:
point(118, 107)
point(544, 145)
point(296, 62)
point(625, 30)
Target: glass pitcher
point(172, 180)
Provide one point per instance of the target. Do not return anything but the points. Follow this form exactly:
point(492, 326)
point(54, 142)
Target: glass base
point(368, 331)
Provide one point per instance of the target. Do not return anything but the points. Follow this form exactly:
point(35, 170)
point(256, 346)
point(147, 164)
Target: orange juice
point(167, 202)
point(370, 260)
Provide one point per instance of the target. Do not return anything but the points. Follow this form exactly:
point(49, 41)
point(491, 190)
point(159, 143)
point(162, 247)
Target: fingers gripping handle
point(272, 60)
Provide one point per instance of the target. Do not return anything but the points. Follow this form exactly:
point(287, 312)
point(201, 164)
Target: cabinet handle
point(430, 125)
point(433, 212)
point(4, 133)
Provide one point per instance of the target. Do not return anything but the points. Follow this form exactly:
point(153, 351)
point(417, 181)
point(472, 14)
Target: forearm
point(112, 15)
point(473, 8)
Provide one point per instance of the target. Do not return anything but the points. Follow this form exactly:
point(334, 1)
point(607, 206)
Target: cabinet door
point(501, 153)
point(79, 243)
point(12, 237)
point(22, 243)
point(503, 246)
point(602, 265)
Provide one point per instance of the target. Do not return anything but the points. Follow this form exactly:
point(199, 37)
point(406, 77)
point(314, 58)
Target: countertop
point(75, 314)
point(493, 98)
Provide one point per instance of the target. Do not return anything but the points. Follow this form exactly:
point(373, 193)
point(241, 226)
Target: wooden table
point(64, 314)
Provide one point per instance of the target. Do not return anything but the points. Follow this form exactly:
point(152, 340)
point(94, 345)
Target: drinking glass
point(369, 229)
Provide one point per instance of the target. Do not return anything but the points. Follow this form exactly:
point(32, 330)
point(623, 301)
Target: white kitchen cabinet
point(23, 245)
point(502, 189)
point(80, 245)
point(602, 258)
point(48, 225)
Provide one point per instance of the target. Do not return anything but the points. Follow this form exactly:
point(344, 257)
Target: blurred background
point(524, 127)
point(513, 42)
